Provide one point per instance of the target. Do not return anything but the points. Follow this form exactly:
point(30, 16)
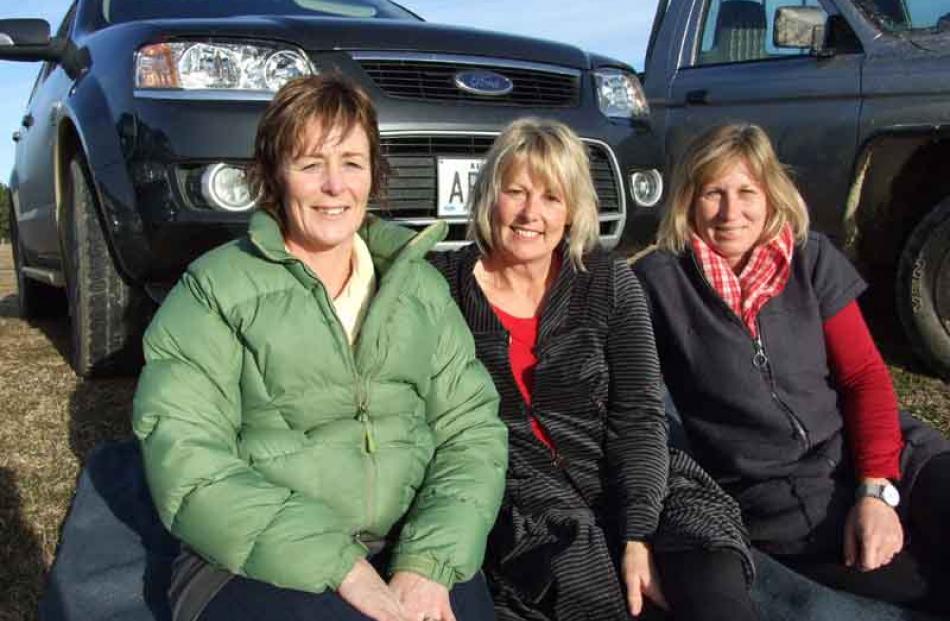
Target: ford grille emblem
point(481, 82)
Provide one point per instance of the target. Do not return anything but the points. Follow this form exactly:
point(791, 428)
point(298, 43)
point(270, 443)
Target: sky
point(617, 28)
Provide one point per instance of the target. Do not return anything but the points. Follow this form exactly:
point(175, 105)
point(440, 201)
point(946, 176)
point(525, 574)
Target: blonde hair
point(706, 158)
point(555, 156)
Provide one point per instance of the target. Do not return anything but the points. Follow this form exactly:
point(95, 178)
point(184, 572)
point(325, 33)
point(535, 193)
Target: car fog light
point(646, 187)
point(225, 187)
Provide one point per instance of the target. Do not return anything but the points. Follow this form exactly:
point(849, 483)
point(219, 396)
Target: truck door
point(731, 71)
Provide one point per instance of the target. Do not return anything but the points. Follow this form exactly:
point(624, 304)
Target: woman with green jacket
point(311, 412)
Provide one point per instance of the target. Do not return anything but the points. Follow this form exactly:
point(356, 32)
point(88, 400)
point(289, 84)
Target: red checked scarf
point(762, 278)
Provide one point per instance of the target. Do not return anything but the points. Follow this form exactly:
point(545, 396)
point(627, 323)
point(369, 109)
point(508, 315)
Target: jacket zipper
point(760, 360)
point(362, 408)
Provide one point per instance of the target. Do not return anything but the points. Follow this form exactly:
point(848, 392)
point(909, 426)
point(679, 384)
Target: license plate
point(456, 177)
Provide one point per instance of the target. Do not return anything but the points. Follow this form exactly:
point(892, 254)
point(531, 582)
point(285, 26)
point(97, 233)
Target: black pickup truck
point(855, 95)
point(130, 160)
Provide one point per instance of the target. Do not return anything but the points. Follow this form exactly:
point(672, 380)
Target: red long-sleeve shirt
point(870, 404)
point(522, 336)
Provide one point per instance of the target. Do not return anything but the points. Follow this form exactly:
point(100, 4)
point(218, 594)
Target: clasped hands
point(407, 597)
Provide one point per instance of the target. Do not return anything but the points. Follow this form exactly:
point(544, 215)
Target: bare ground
point(51, 420)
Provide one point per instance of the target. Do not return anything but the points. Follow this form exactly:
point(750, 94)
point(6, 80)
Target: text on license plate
point(456, 177)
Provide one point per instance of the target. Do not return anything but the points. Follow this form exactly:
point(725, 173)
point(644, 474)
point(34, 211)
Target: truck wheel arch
point(902, 223)
point(899, 176)
point(107, 314)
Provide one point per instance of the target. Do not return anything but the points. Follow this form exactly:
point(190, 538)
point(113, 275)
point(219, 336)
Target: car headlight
point(189, 65)
point(619, 94)
point(225, 187)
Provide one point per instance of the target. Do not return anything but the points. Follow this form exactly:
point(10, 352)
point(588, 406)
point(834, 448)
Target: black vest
point(761, 417)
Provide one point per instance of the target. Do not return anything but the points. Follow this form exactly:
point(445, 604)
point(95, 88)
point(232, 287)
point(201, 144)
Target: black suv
point(130, 161)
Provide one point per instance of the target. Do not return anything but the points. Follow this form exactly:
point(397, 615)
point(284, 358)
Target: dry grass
point(51, 420)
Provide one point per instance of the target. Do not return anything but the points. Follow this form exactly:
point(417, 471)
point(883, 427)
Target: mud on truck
point(855, 94)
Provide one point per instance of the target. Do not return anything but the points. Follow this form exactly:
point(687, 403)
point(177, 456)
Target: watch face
point(890, 495)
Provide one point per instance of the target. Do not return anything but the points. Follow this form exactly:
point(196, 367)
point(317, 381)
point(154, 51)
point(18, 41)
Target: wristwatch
point(885, 492)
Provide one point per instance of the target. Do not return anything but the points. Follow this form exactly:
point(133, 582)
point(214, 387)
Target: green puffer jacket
point(273, 449)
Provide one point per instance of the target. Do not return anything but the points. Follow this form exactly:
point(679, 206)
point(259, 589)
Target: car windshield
point(118, 11)
point(908, 15)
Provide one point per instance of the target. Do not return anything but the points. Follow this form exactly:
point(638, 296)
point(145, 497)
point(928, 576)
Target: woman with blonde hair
point(594, 497)
point(783, 395)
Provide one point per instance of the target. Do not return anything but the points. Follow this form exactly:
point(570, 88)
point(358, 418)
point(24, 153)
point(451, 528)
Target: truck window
point(736, 31)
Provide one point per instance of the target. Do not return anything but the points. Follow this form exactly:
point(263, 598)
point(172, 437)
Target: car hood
point(323, 33)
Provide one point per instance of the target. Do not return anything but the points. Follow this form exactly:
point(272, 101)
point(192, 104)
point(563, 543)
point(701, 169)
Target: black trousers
point(919, 576)
point(243, 599)
point(705, 585)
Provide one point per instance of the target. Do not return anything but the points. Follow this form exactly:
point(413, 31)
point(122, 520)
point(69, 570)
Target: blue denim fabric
point(242, 599)
point(114, 559)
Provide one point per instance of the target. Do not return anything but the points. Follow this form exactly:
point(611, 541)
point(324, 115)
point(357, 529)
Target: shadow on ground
point(99, 409)
point(21, 558)
point(55, 328)
point(880, 312)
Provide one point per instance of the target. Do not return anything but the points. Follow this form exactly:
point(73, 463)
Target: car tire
point(35, 300)
point(923, 288)
point(106, 314)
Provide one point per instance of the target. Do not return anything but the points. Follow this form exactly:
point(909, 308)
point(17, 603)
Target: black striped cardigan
point(597, 392)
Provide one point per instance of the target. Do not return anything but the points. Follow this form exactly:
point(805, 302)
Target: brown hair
point(553, 154)
point(329, 98)
point(706, 158)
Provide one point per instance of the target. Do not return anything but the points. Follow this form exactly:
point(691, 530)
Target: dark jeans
point(705, 585)
point(919, 576)
point(243, 599)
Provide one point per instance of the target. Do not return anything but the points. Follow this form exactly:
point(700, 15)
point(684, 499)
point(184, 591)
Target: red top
point(522, 336)
point(870, 405)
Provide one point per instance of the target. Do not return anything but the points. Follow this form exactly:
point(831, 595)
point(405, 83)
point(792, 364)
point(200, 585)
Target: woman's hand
point(363, 589)
point(872, 535)
point(421, 598)
point(641, 577)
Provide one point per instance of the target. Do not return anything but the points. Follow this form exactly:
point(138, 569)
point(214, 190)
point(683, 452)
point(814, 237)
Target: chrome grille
point(412, 191)
point(435, 81)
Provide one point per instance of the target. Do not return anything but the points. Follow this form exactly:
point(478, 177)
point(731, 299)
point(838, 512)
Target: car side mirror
point(24, 32)
point(801, 27)
point(27, 40)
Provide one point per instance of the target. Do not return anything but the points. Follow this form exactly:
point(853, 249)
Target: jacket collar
point(388, 243)
point(477, 309)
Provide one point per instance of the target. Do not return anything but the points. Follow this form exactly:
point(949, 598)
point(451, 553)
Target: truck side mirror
point(800, 27)
point(27, 40)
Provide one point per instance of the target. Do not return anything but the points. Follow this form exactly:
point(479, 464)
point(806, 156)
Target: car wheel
point(106, 314)
point(35, 300)
point(923, 288)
